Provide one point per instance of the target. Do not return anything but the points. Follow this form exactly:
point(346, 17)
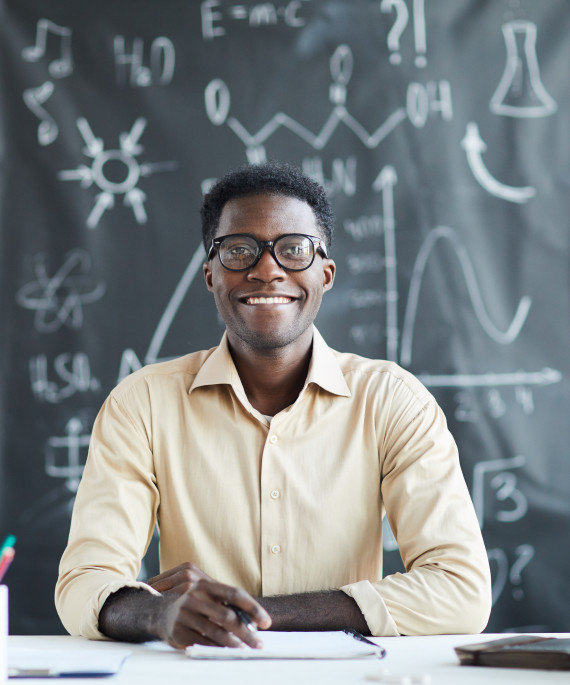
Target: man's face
point(242, 297)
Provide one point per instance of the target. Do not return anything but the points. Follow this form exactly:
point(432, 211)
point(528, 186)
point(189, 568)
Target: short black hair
point(269, 178)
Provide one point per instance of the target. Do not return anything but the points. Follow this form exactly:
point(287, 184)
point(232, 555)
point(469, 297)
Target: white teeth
point(268, 300)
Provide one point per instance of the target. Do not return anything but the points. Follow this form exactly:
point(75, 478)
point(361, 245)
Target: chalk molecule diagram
point(420, 99)
point(126, 171)
point(58, 300)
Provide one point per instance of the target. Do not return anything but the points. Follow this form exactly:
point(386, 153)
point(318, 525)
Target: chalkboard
point(440, 130)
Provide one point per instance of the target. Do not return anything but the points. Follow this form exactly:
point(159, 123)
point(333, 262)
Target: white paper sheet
point(45, 663)
point(293, 645)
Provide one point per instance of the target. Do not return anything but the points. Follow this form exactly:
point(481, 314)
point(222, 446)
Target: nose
point(266, 269)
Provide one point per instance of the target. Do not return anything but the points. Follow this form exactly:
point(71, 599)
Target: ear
point(207, 269)
point(329, 270)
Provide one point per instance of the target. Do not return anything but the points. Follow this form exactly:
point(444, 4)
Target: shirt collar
point(324, 370)
point(218, 369)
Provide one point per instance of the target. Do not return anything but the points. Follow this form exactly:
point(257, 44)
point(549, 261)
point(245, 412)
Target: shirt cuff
point(89, 622)
point(373, 608)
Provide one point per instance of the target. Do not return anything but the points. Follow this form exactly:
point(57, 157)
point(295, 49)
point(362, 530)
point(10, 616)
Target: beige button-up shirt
point(283, 506)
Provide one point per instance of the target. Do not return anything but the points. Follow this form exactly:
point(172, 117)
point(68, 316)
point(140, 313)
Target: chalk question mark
point(397, 29)
point(525, 553)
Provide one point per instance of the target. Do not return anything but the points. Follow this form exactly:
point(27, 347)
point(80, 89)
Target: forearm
point(328, 610)
point(132, 615)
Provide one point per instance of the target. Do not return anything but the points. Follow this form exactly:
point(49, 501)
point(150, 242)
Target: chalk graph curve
point(445, 233)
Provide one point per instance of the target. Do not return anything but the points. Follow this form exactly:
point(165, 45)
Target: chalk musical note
point(58, 68)
point(34, 98)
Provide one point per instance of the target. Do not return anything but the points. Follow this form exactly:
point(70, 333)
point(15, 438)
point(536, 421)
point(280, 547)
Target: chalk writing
point(385, 183)
point(130, 69)
point(58, 68)
point(363, 227)
point(365, 334)
point(73, 375)
point(503, 571)
point(72, 445)
point(468, 409)
point(444, 233)
point(545, 376)
point(35, 98)
point(342, 178)
point(115, 172)
point(369, 262)
point(130, 360)
point(399, 26)
point(421, 101)
point(363, 299)
point(59, 299)
point(521, 92)
point(504, 484)
point(474, 147)
point(213, 16)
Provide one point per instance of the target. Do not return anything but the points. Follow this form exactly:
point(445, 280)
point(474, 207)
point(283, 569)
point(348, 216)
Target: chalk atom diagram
point(59, 299)
point(122, 161)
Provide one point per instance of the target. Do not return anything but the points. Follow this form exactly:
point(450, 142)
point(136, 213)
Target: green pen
point(8, 542)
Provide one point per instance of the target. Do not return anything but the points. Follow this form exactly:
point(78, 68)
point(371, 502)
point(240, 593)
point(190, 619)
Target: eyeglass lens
point(295, 251)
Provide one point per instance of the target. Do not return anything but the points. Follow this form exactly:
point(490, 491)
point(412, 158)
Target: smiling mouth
point(268, 300)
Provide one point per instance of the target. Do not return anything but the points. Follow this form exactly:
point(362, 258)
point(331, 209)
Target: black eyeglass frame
point(318, 244)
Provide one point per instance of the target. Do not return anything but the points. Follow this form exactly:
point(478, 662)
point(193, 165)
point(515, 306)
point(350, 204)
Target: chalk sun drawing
point(124, 156)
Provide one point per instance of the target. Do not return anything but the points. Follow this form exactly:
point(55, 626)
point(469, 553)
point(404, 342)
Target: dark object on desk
point(358, 636)
point(523, 651)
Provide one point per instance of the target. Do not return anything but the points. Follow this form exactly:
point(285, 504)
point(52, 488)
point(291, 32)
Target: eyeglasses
point(292, 251)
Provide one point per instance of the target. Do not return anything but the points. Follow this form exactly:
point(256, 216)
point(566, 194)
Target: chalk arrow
point(129, 141)
point(82, 173)
point(474, 146)
point(386, 177)
point(546, 376)
point(104, 201)
point(93, 146)
point(385, 182)
point(135, 198)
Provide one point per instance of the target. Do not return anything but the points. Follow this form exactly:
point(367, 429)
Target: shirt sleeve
point(113, 517)
point(447, 586)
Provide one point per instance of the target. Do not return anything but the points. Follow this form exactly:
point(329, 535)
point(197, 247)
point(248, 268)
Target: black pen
point(244, 617)
point(358, 636)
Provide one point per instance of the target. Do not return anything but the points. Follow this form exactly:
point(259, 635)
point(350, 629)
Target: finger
point(183, 637)
point(222, 616)
point(178, 584)
point(241, 599)
point(179, 575)
point(216, 634)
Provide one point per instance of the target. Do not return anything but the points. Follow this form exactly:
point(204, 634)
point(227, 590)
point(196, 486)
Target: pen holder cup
point(3, 634)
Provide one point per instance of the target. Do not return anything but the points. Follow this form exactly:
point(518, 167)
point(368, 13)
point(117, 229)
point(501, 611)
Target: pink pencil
point(6, 560)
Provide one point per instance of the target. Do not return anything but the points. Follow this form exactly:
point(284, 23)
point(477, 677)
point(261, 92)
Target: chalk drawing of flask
point(520, 92)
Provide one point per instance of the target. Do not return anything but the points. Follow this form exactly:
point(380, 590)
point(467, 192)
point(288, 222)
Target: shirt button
point(275, 494)
point(276, 549)
point(273, 439)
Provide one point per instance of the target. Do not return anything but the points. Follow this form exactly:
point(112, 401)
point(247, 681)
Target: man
point(269, 462)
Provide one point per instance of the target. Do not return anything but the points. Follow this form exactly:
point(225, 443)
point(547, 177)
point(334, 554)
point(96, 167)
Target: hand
point(197, 610)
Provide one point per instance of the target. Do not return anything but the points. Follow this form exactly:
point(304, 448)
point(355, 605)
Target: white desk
point(159, 664)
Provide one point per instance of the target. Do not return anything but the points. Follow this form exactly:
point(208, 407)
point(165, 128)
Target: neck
point(273, 378)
